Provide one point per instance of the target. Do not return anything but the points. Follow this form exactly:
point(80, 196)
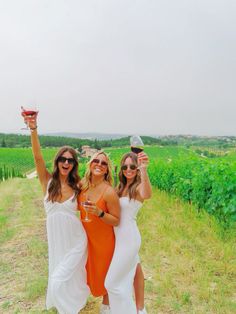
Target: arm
point(42, 172)
point(144, 189)
point(112, 217)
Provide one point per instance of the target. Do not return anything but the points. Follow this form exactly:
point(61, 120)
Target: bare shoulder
point(110, 193)
point(79, 184)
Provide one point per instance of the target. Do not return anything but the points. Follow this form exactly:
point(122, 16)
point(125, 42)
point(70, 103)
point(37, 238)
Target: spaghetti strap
point(103, 192)
point(48, 184)
point(101, 196)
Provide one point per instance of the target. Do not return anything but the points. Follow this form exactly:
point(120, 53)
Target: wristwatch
point(102, 214)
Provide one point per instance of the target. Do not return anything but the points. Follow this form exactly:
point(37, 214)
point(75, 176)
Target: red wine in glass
point(29, 112)
point(136, 144)
point(136, 150)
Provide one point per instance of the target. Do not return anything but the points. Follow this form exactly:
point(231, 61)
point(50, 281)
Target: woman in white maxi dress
point(67, 248)
point(133, 189)
point(67, 242)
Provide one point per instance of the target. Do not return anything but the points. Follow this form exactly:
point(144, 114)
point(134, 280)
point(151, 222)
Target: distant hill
point(89, 136)
point(99, 140)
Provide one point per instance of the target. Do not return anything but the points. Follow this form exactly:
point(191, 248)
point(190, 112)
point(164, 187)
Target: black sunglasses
point(132, 167)
point(62, 159)
point(100, 162)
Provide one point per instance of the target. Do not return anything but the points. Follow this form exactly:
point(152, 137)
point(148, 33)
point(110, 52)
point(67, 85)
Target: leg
point(119, 284)
point(139, 287)
point(105, 308)
point(105, 299)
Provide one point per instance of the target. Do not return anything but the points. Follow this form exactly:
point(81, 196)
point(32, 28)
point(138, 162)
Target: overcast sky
point(124, 66)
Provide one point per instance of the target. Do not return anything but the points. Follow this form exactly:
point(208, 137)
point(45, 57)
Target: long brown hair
point(54, 189)
point(132, 189)
point(86, 181)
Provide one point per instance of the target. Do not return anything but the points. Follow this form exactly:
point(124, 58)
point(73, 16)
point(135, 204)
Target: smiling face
point(99, 165)
point(65, 163)
point(129, 168)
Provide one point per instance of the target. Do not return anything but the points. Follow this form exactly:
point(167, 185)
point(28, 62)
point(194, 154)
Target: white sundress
point(120, 277)
point(67, 253)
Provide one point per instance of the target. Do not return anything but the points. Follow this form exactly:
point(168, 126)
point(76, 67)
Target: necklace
point(94, 185)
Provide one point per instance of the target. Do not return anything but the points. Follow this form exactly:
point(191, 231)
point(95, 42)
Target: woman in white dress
point(133, 189)
point(67, 242)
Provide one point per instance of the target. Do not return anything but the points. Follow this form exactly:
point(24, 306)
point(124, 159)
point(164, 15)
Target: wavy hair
point(132, 189)
point(54, 189)
point(86, 181)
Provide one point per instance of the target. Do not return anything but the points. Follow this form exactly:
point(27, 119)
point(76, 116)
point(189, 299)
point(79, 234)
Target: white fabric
point(120, 277)
point(143, 311)
point(67, 254)
point(105, 309)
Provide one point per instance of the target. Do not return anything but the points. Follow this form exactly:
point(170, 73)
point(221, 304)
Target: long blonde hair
point(86, 181)
point(132, 189)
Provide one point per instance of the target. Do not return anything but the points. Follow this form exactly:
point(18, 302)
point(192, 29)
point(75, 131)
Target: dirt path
point(32, 175)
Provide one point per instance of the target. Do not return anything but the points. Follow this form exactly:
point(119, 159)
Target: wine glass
point(136, 144)
point(28, 111)
point(86, 205)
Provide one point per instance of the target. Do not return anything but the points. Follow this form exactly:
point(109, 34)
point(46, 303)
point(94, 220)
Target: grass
point(193, 269)
point(189, 266)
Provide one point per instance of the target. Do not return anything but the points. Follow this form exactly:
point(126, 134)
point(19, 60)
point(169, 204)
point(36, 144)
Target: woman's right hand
point(30, 120)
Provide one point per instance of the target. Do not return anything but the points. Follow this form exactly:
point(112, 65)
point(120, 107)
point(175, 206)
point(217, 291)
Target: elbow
point(146, 195)
point(116, 222)
point(150, 194)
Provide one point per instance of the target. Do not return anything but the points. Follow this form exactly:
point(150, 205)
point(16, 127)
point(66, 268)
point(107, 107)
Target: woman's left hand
point(92, 209)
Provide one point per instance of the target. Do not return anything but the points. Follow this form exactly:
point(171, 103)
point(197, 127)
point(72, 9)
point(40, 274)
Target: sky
point(152, 67)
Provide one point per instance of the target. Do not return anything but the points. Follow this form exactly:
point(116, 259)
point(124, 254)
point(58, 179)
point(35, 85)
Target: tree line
point(18, 141)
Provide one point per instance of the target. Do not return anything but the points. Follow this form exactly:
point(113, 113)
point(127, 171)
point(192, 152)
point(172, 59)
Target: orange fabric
point(101, 244)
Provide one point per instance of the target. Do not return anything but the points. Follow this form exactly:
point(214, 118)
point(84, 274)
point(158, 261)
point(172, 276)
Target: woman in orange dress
point(103, 208)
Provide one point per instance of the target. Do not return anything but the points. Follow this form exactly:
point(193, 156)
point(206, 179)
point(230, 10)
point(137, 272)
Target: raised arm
point(144, 188)
point(42, 172)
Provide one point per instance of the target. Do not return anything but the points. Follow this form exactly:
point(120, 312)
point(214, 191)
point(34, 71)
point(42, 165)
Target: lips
point(97, 169)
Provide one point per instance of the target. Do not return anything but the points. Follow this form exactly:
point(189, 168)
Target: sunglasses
point(100, 162)
point(62, 159)
point(131, 167)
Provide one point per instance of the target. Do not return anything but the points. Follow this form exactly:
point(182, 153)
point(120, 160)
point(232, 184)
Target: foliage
point(208, 183)
point(15, 162)
point(17, 140)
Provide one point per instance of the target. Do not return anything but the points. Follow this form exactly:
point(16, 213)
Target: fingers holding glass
point(87, 206)
point(143, 160)
point(30, 117)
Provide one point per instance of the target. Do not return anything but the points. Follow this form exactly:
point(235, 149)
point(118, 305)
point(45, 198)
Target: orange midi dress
point(101, 245)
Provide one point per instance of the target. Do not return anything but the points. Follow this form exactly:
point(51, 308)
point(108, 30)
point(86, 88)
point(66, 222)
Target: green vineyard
point(16, 162)
point(207, 183)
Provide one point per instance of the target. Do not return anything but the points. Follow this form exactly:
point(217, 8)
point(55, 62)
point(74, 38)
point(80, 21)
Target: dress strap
point(48, 184)
point(103, 192)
